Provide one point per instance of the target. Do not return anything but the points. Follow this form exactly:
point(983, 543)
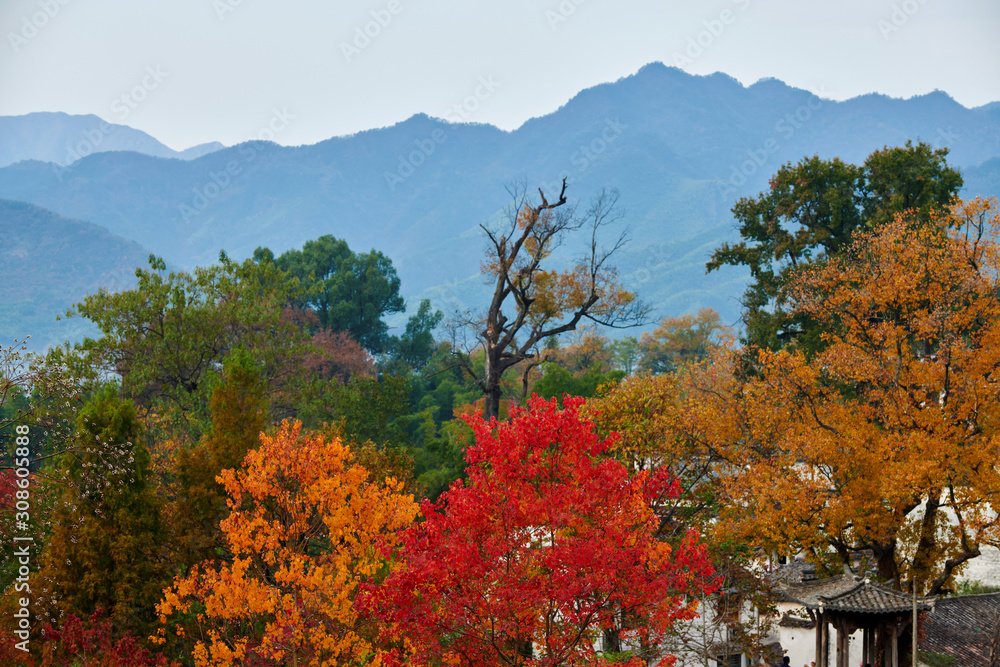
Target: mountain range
point(47, 263)
point(679, 148)
point(62, 139)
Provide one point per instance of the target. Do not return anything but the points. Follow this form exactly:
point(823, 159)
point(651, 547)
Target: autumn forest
point(247, 465)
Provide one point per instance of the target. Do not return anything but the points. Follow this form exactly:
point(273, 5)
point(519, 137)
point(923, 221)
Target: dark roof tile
point(961, 627)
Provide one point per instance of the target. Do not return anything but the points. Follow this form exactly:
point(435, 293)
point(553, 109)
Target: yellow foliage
point(874, 440)
point(885, 442)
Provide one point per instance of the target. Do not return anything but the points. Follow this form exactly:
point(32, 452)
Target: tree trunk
point(887, 568)
point(492, 399)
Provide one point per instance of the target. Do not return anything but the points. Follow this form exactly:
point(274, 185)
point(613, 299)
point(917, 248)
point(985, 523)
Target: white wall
point(800, 643)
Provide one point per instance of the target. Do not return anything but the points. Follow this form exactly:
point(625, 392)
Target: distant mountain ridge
point(48, 263)
point(62, 139)
point(680, 148)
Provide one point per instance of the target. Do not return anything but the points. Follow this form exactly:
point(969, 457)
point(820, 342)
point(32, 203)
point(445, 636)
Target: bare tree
point(531, 303)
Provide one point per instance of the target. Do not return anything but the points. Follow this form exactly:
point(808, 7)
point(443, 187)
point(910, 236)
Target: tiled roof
point(809, 592)
point(873, 598)
point(793, 572)
point(960, 627)
point(848, 593)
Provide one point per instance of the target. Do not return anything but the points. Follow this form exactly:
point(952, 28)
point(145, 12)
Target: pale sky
point(192, 71)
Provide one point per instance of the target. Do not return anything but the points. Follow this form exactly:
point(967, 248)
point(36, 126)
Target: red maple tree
point(549, 546)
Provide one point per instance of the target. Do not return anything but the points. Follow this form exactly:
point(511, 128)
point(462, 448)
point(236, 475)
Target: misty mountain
point(63, 139)
point(680, 148)
point(48, 263)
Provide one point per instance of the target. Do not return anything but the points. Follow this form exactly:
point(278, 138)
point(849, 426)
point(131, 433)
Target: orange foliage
point(558, 294)
point(886, 440)
point(587, 349)
point(302, 532)
point(680, 340)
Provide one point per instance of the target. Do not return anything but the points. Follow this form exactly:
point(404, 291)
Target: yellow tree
point(886, 441)
point(680, 340)
point(303, 531)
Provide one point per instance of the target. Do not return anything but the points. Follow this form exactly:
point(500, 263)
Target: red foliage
point(8, 485)
point(548, 544)
point(334, 354)
point(91, 643)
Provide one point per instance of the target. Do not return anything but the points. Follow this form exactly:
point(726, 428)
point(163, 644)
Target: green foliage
point(239, 410)
point(438, 453)
point(810, 213)
point(974, 587)
point(166, 337)
point(625, 354)
point(936, 659)
point(370, 409)
point(348, 291)
point(558, 381)
point(912, 177)
point(416, 346)
point(104, 549)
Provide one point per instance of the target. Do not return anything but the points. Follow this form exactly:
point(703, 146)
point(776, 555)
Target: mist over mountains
point(63, 139)
point(680, 148)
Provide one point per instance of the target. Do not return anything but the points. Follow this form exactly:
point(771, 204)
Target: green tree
point(239, 416)
point(913, 178)
point(809, 214)
point(348, 291)
point(625, 354)
point(166, 338)
point(416, 346)
point(104, 549)
point(557, 381)
point(371, 408)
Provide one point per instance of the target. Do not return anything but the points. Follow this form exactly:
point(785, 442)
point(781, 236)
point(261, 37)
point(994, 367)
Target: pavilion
point(849, 603)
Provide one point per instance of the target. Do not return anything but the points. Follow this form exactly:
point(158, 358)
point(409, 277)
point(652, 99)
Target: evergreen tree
point(810, 213)
point(104, 549)
point(239, 409)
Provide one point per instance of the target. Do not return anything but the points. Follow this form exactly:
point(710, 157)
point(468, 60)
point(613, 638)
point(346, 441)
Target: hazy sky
point(191, 71)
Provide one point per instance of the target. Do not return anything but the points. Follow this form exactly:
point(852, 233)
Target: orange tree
point(549, 545)
point(886, 441)
point(302, 531)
